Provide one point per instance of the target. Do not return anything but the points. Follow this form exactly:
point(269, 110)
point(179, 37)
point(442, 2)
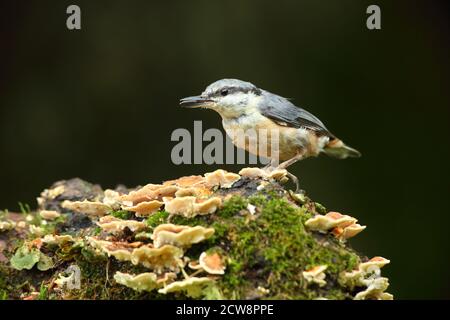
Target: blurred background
point(101, 104)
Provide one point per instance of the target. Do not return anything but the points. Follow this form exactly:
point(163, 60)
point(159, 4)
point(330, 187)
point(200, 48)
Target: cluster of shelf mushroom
point(367, 276)
point(164, 256)
point(162, 249)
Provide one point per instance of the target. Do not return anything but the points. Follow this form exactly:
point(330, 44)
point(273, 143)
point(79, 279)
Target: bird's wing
point(284, 113)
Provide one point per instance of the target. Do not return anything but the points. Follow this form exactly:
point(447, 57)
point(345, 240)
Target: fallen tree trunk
point(218, 236)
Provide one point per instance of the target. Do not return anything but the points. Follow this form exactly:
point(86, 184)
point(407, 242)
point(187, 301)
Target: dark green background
point(101, 104)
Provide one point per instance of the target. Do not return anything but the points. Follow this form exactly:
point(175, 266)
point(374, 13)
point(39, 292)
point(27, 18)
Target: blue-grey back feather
point(284, 112)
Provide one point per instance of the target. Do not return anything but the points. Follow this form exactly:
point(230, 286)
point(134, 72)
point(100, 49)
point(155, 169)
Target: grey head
point(229, 86)
point(233, 98)
point(229, 97)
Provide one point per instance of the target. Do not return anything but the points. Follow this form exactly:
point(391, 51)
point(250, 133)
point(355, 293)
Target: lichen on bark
point(260, 239)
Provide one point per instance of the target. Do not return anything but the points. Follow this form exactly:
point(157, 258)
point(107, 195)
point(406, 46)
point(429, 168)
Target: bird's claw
point(294, 179)
point(269, 168)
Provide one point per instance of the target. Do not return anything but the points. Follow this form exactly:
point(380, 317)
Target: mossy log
point(260, 248)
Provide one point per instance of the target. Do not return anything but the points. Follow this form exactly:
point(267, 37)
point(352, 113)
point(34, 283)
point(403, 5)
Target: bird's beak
point(195, 102)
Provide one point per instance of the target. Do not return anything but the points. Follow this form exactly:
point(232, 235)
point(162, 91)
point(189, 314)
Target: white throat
point(237, 105)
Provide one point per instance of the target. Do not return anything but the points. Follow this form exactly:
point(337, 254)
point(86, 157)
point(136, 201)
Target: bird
point(243, 106)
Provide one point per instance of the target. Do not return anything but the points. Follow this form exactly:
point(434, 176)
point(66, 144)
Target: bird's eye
point(224, 92)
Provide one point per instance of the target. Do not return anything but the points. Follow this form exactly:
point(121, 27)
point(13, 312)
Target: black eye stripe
point(229, 90)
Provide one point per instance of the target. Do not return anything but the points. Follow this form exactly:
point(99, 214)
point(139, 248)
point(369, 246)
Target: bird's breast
point(263, 137)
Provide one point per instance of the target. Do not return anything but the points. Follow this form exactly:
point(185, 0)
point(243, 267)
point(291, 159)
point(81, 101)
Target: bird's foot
point(269, 169)
point(294, 180)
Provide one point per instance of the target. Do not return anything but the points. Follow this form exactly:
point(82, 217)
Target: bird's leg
point(288, 163)
point(295, 181)
point(291, 161)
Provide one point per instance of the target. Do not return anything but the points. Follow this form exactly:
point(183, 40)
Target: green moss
point(91, 267)
point(43, 292)
point(157, 218)
point(212, 292)
point(50, 226)
point(122, 214)
point(232, 207)
point(272, 248)
point(24, 208)
point(220, 231)
point(97, 231)
point(199, 220)
point(96, 278)
point(3, 284)
point(68, 251)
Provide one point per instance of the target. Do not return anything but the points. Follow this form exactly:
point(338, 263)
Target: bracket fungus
point(147, 193)
point(221, 178)
point(49, 214)
point(112, 198)
point(316, 275)
point(115, 225)
point(167, 256)
point(145, 208)
point(342, 226)
point(348, 231)
point(158, 259)
point(377, 262)
point(324, 223)
point(212, 263)
point(36, 230)
point(7, 225)
point(180, 236)
point(120, 250)
point(193, 286)
point(57, 239)
point(51, 193)
point(368, 275)
point(190, 207)
point(375, 290)
point(90, 208)
point(195, 186)
point(365, 269)
point(196, 191)
point(147, 281)
point(252, 172)
point(188, 181)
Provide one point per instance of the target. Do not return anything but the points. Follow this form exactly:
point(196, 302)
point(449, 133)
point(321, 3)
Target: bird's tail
point(338, 149)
